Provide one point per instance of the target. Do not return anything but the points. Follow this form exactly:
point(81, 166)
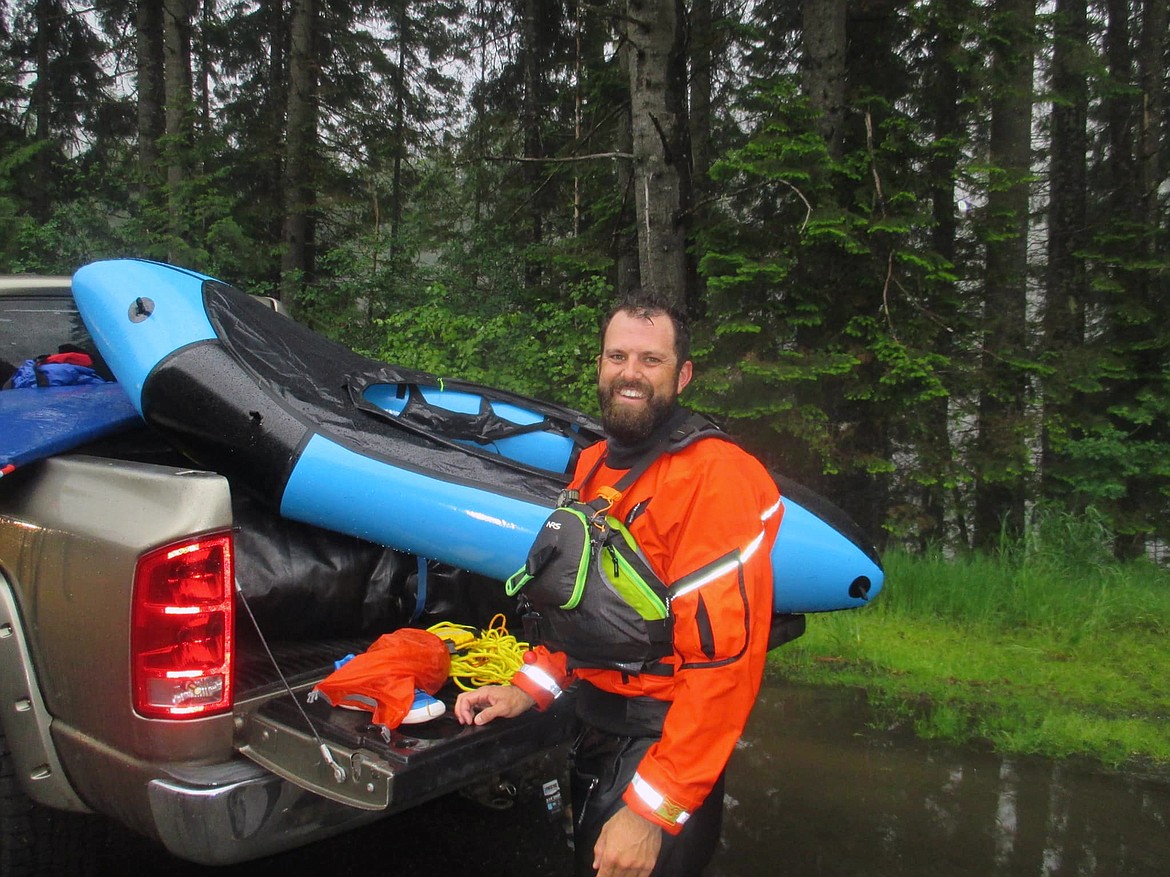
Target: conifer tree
point(1000, 455)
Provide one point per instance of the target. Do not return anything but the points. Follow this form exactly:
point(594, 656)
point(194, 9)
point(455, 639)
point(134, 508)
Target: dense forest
point(924, 244)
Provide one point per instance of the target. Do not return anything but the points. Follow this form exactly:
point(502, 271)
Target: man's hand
point(628, 846)
point(480, 706)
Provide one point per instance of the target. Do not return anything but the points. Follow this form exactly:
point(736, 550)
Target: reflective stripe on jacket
point(706, 517)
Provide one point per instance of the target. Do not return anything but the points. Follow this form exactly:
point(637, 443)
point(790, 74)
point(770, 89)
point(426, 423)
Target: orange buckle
point(610, 495)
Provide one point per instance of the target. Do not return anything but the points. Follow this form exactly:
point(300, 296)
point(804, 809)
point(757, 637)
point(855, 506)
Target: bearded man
point(649, 759)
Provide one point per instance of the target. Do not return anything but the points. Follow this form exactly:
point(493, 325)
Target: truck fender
point(25, 720)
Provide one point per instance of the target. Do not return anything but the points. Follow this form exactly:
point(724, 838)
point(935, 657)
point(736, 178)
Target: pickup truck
point(88, 537)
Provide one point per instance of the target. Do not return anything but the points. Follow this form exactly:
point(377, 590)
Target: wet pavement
point(814, 790)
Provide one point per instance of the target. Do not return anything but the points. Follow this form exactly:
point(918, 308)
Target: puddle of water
point(812, 791)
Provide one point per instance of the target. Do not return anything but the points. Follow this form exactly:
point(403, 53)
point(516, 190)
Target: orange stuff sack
point(383, 678)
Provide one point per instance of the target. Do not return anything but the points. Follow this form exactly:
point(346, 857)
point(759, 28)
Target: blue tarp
point(42, 421)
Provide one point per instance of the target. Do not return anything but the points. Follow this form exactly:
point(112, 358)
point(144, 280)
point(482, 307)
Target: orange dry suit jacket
point(706, 517)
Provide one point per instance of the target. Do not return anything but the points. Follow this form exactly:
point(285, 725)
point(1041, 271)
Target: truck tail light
point(183, 624)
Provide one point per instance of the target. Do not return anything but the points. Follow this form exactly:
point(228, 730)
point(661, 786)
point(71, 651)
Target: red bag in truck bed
point(384, 677)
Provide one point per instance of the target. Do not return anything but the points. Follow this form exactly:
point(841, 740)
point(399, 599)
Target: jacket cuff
point(652, 804)
point(537, 683)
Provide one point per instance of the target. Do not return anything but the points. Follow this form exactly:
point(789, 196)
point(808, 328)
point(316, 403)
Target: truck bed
point(299, 662)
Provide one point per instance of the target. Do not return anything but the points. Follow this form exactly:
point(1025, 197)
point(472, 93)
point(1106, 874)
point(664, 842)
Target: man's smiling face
point(639, 376)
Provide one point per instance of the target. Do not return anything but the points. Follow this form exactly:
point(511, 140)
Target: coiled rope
point(486, 657)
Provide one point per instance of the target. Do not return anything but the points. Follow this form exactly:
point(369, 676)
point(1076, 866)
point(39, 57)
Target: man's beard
point(629, 424)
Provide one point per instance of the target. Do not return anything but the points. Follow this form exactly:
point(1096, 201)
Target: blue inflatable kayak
point(448, 470)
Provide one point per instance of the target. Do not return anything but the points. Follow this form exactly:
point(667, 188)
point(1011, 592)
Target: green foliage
point(548, 352)
point(77, 232)
point(813, 347)
point(1061, 579)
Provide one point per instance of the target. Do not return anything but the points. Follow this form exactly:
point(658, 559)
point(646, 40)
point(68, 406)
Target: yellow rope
point(489, 657)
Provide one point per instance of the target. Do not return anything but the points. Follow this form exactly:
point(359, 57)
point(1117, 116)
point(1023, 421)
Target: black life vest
point(587, 590)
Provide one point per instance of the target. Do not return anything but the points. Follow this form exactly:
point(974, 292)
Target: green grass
point(1050, 649)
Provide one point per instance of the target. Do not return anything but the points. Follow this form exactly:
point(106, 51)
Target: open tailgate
point(390, 771)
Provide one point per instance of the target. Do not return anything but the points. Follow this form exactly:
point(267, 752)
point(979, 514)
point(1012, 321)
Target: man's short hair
point(648, 304)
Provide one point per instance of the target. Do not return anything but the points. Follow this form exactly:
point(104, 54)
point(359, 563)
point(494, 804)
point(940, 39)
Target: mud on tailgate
point(407, 766)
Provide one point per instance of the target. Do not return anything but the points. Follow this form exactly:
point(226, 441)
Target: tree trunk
point(1144, 339)
point(625, 236)
point(399, 132)
point(1119, 109)
point(42, 108)
point(944, 92)
point(703, 40)
point(1002, 458)
point(823, 68)
point(275, 97)
point(1151, 145)
point(177, 85)
point(151, 92)
point(300, 148)
point(655, 30)
point(530, 121)
point(1118, 220)
point(1067, 281)
point(203, 77)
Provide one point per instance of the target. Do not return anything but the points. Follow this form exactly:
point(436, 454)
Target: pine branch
point(559, 159)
